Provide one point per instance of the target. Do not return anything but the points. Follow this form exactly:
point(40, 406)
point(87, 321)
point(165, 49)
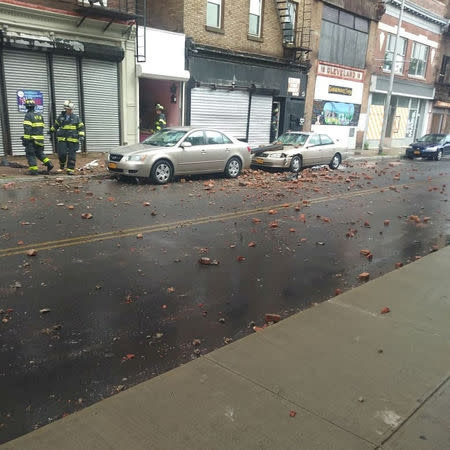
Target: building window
point(254, 20)
point(290, 23)
point(214, 13)
point(343, 38)
point(389, 54)
point(419, 58)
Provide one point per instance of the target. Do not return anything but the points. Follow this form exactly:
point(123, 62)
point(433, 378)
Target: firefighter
point(69, 134)
point(160, 121)
point(33, 138)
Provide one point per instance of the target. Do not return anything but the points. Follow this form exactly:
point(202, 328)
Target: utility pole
point(387, 105)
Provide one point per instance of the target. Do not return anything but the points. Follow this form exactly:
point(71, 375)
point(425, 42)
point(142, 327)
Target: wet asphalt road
point(125, 307)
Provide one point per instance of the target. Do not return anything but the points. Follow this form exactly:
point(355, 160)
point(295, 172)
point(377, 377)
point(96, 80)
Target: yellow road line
point(49, 245)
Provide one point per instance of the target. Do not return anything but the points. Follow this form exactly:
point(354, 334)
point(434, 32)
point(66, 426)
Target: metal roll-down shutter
point(221, 109)
point(66, 83)
point(25, 70)
point(260, 118)
point(101, 104)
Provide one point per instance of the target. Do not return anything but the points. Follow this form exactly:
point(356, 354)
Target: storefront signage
point(294, 86)
point(341, 90)
point(329, 70)
point(335, 113)
point(28, 94)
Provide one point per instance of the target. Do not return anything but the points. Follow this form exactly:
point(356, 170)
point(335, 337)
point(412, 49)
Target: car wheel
point(162, 172)
point(233, 167)
point(296, 164)
point(336, 161)
point(438, 155)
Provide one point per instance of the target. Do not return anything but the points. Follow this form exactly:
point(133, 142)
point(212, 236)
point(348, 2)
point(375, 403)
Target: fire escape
point(130, 12)
point(295, 21)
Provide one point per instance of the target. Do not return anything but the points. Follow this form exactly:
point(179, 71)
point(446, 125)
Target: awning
point(165, 56)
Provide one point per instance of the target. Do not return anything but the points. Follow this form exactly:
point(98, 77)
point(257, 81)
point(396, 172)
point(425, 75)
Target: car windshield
point(292, 138)
point(431, 138)
point(165, 138)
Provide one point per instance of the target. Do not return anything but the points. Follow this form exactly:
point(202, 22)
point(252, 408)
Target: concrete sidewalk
point(355, 378)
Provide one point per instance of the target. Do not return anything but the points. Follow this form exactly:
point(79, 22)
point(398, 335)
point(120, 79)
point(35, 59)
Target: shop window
point(402, 102)
point(343, 38)
point(389, 54)
point(214, 13)
point(254, 20)
point(419, 58)
point(378, 99)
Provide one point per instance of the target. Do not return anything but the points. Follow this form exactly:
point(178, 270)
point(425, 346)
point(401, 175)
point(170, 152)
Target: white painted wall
point(165, 56)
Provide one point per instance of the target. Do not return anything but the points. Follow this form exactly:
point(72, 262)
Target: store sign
point(294, 86)
point(335, 113)
point(28, 94)
point(344, 73)
point(341, 90)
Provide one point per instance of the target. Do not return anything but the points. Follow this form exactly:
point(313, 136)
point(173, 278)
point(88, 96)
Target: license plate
point(417, 152)
point(112, 165)
point(259, 160)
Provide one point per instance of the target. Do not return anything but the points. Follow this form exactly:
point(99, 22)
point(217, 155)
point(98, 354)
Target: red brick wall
point(436, 6)
point(432, 68)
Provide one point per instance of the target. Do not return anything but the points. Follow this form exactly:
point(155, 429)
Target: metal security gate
point(2, 149)
point(221, 109)
point(101, 104)
point(25, 71)
point(260, 118)
point(66, 82)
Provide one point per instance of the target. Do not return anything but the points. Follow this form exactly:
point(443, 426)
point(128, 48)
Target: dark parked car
point(431, 146)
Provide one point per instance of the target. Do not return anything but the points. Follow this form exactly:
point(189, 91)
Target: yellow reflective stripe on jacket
point(27, 122)
point(37, 124)
point(41, 144)
point(81, 124)
point(81, 133)
point(69, 139)
point(52, 128)
point(69, 127)
point(26, 136)
point(39, 137)
point(61, 139)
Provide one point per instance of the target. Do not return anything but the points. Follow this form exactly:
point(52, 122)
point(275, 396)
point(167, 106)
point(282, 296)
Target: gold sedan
point(295, 150)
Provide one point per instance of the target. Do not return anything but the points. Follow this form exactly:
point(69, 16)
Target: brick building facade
point(440, 121)
point(417, 66)
point(247, 73)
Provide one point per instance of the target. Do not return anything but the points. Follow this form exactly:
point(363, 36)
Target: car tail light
point(249, 149)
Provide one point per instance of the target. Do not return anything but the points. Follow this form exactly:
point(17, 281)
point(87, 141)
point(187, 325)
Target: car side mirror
point(186, 145)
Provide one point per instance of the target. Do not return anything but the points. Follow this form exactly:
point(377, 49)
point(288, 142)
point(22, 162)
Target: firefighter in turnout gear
point(160, 121)
point(33, 138)
point(69, 134)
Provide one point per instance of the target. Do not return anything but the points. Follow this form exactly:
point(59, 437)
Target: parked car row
point(189, 150)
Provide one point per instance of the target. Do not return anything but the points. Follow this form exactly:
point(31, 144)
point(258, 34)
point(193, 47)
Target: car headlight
point(277, 155)
point(430, 149)
point(136, 157)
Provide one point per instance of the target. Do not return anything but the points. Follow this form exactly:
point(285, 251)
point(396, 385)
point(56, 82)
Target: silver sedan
point(181, 151)
point(294, 150)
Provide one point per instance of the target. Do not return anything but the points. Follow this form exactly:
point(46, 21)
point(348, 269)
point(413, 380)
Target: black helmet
point(30, 104)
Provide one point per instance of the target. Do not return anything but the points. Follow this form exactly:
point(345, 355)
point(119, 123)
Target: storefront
point(162, 79)
point(408, 114)
point(440, 120)
point(337, 103)
point(254, 100)
point(51, 66)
